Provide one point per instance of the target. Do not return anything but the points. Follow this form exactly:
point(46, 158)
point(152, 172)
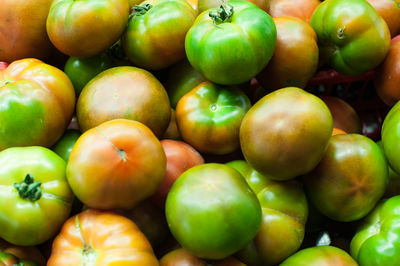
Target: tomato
point(101, 238)
point(387, 75)
point(35, 198)
point(393, 187)
point(295, 58)
point(29, 253)
point(181, 257)
point(82, 70)
point(36, 104)
point(23, 30)
point(7, 259)
point(64, 146)
point(231, 44)
point(3, 65)
point(284, 215)
point(180, 157)
point(350, 179)
point(151, 221)
point(172, 131)
point(350, 42)
point(182, 78)
point(390, 12)
point(391, 137)
point(376, 240)
point(86, 28)
point(321, 255)
point(286, 133)
point(337, 131)
point(133, 3)
point(302, 9)
point(209, 117)
point(204, 5)
point(154, 43)
point(124, 92)
point(344, 115)
point(212, 212)
point(116, 165)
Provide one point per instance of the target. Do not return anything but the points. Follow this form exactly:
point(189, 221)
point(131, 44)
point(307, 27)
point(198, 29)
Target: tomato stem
point(139, 10)
point(222, 14)
point(28, 189)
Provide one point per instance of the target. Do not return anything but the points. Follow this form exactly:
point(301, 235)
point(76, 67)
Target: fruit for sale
point(302, 9)
point(387, 75)
point(376, 241)
point(124, 92)
point(27, 253)
point(64, 146)
point(172, 131)
point(286, 133)
point(212, 212)
point(116, 165)
point(350, 179)
point(101, 238)
point(204, 5)
point(180, 157)
point(320, 255)
point(390, 12)
point(231, 44)
point(391, 137)
point(23, 30)
point(181, 257)
point(343, 114)
point(393, 187)
point(35, 198)
point(284, 214)
point(209, 117)
point(155, 35)
point(295, 58)
point(86, 28)
point(353, 38)
point(36, 104)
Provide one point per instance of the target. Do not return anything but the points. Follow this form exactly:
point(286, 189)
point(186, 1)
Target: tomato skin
point(391, 137)
point(153, 43)
point(180, 157)
point(302, 9)
point(353, 171)
point(212, 212)
point(344, 115)
point(295, 59)
point(30, 253)
point(209, 117)
point(3, 65)
point(172, 131)
point(390, 12)
point(36, 105)
point(337, 131)
point(181, 257)
point(204, 5)
point(76, 28)
point(210, 49)
point(387, 76)
point(270, 138)
point(101, 238)
point(182, 78)
point(124, 92)
point(23, 30)
point(64, 146)
point(320, 255)
point(46, 213)
point(284, 215)
point(350, 42)
point(116, 165)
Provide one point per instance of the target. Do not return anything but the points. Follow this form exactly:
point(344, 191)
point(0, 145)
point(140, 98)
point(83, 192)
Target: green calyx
point(139, 10)
point(222, 14)
point(28, 189)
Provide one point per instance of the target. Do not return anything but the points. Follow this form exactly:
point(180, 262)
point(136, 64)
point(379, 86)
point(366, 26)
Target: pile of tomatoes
point(185, 132)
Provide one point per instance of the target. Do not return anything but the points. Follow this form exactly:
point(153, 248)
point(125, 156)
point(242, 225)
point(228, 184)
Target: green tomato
point(231, 44)
point(393, 187)
point(209, 117)
point(321, 255)
point(284, 214)
point(391, 137)
point(212, 212)
point(35, 198)
point(353, 38)
point(64, 145)
point(376, 242)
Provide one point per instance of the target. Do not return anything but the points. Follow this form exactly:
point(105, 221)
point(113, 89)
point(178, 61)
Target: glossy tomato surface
point(64, 146)
point(302, 9)
point(116, 165)
point(390, 12)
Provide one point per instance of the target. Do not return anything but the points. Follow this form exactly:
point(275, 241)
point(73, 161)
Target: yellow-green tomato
point(35, 198)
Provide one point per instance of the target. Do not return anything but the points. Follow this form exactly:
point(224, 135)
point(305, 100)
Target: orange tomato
point(302, 9)
point(337, 131)
point(390, 12)
point(100, 238)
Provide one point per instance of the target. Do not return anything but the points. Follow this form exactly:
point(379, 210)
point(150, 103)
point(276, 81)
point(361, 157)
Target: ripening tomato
point(101, 238)
point(29, 253)
point(302, 9)
point(204, 5)
point(390, 12)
